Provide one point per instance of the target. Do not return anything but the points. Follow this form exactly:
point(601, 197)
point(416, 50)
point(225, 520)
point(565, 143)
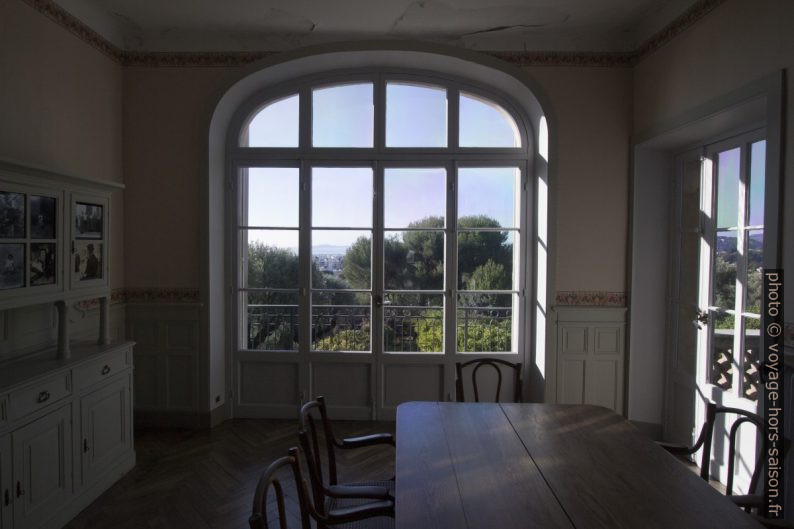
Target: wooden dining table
point(527, 466)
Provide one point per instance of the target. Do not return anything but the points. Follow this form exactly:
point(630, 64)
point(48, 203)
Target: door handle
point(85, 445)
point(701, 318)
point(44, 396)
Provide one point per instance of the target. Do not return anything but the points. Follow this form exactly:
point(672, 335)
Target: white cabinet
point(42, 467)
point(105, 424)
point(5, 482)
point(65, 433)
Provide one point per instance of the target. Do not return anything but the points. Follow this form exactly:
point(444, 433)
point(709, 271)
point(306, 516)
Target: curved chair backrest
point(308, 434)
point(268, 480)
point(494, 363)
point(706, 437)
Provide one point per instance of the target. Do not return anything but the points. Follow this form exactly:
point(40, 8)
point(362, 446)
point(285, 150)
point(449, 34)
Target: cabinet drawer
point(100, 368)
point(36, 396)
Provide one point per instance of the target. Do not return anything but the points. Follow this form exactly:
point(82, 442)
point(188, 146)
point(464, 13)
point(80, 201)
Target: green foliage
point(481, 334)
point(281, 339)
point(345, 340)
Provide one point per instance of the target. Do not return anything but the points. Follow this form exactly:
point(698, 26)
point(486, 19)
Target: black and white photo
point(42, 217)
point(42, 263)
point(12, 215)
point(88, 221)
point(88, 260)
point(12, 274)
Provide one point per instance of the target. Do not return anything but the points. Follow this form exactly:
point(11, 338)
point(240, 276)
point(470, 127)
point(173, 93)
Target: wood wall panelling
point(590, 356)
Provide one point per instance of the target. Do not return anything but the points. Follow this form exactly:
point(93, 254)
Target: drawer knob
point(106, 370)
point(44, 396)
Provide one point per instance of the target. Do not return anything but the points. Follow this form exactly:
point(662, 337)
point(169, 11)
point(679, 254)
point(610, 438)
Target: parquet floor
point(205, 479)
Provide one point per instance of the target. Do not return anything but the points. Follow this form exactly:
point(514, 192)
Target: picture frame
point(42, 217)
point(12, 269)
point(43, 263)
point(12, 215)
point(88, 260)
point(88, 220)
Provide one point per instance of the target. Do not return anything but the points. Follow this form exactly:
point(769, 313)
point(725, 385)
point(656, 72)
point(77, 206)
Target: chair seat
point(381, 522)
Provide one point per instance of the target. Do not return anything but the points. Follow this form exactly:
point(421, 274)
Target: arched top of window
point(484, 123)
point(382, 111)
point(276, 124)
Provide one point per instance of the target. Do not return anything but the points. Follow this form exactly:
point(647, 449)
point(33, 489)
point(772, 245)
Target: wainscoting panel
point(166, 361)
point(591, 355)
point(402, 383)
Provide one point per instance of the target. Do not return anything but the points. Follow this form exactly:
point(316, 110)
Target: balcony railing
point(406, 328)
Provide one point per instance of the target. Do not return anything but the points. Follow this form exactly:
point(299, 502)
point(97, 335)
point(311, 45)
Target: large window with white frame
point(381, 212)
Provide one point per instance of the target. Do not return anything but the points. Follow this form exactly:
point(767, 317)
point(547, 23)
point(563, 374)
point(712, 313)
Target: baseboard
point(172, 419)
point(651, 429)
point(220, 414)
point(87, 495)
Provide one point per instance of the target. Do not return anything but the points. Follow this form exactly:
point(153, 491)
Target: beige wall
point(593, 117)
point(165, 127)
point(60, 106)
point(164, 115)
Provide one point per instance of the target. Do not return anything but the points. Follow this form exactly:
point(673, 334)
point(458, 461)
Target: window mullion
point(305, 267)
point(453, 114)
point(451, 263)
point(741, 270)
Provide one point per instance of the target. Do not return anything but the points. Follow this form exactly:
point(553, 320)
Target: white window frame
point(379, 157)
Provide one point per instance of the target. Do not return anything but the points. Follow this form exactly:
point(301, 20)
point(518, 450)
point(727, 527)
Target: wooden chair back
point(493, 363)
point(313, 417)
point(270, 480)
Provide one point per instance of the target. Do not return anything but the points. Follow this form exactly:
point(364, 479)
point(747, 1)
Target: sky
point(728, 169)
point(416, 116)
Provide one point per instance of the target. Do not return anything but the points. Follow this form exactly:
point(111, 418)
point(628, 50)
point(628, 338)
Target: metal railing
point(406, 328)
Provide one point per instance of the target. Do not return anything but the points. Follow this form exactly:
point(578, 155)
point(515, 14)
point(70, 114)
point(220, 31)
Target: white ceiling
point(276, 25)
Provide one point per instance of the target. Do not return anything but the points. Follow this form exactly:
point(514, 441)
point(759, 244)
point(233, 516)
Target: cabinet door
point(5, 482)
point(42, 468)
point(105, 419)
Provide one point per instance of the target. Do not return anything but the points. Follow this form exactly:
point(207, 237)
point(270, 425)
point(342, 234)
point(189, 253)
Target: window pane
point(414, 260)
point(728, 167)
point(342, 116)
point(272, 321)
point(722, 351)
point(483, 123)
point(342, 197)
point(416, 115)
point(757, 183)
point(341, 258)
point(340, 321)
point(487, 197)
point(725, 256)
point(276, 125)
point(415, 197)
point(755, 260)
point(273, 196)
point(413, 323)
point(485, 260)
point(272, 257)
point(484, 323)
point(751, 378)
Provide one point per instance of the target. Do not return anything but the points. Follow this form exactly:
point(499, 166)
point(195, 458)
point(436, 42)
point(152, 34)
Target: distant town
point(329, 263)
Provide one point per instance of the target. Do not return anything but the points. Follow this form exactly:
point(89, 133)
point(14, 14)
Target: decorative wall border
point(233, 58)
point(144, 295)
point(590, 298)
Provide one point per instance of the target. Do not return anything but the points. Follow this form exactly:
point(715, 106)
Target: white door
point(719, 249)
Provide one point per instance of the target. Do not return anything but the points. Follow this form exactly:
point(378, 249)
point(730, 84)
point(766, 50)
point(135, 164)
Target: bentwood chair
point(748, 501)
point(369, 516)
point(330, 495)
point(494, 363)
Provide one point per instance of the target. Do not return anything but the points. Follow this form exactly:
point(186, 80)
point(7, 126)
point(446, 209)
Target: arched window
point(381, 218)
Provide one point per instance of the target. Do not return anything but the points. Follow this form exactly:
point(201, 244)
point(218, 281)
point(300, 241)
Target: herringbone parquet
point(205, 479)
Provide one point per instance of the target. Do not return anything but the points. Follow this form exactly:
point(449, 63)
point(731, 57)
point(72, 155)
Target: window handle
point(378, 301)
point(20, 490)
point(85, 445)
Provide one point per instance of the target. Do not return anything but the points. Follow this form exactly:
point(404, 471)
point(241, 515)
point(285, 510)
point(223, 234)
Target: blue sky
point(342, 197)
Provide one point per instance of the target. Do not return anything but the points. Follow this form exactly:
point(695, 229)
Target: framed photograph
point(87, 260)
point(42, 263)
point(42, 217)
point(88, 221)
point(12, 215)
point(12, 273)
